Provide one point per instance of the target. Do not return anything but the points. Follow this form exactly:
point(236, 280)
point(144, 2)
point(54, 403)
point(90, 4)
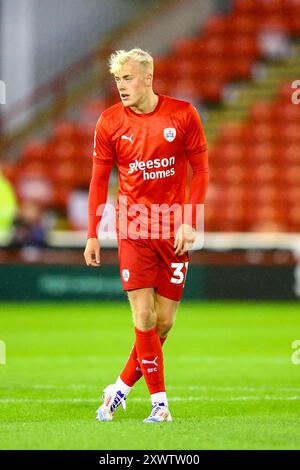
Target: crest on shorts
point(125, 274)
point(170, 133)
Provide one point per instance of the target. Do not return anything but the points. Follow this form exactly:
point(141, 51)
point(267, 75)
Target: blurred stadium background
point(238, 61)
point(235, 60)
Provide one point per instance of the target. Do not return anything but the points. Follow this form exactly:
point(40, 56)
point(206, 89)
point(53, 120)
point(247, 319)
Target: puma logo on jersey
point(125, 137)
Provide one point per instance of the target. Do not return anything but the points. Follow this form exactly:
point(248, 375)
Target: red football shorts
point(152, 263)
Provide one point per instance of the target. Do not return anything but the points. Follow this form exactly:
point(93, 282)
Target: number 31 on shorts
point(178, 276)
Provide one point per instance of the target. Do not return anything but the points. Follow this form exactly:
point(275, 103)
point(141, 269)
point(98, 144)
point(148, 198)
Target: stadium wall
point(207, 282)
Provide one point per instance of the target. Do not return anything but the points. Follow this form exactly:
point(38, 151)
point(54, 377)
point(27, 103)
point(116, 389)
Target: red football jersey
point(150, 150)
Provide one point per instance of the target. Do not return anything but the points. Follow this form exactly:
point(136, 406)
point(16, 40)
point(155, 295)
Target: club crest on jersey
point(125, 274)
point(170, 133)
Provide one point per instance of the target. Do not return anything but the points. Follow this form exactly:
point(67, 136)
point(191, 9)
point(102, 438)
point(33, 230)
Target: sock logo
point(144, 361)
point(154, 362)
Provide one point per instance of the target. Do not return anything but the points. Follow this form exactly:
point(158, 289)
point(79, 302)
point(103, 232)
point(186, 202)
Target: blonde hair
point(120, 57)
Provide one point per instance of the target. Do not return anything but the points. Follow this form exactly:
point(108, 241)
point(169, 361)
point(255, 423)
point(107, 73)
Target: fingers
point(97, 256)
point(179, 246)
point(183, 247)
point(92, 258)
point(176, 240)
point(182, 242)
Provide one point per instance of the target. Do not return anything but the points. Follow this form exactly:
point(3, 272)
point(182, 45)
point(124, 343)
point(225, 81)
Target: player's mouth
point(124, 96)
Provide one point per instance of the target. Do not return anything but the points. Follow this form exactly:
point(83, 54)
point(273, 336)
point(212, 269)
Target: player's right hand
point(92, 252)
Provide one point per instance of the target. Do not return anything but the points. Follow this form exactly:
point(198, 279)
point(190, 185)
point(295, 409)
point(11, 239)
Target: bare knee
point(142, 306)
point(145, 318)
point(164, 326)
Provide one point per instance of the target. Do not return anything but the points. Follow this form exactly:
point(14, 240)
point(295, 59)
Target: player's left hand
point(184, 238)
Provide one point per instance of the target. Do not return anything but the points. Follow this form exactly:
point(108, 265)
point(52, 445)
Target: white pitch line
point(210, 359)
point(191, 398)
point(170, 387)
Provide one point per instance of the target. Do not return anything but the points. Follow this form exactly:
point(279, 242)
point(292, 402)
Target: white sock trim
point(122, 386)
point(160, 397)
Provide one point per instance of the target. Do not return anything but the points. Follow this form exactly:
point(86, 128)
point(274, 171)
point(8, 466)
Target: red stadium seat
point(291, 195)
point(232, 153)
point(94, 106)
point(266, 194)
point(262, 112)
point(91, 110)
point(213, 69)
point(288, 133)
point(66, 173)
point(290, 153)
point(65, 150)
point(60, 196)
point(287, 112)
point(235, 194)
point(190, 49)
point(293, 25)
point(243, 48)
point(33, 168)
point(214, 47)
point(245, 6)
point(241, 24)
point(211, 90)
point(270, 7)
point(235, 175)
point(269, 212)
point(164, 67)
point(285, 92)
point(260, 153)
point(241, 69)
point(35, 150)
point(232, 218)
point(232, 133)
point(265, 174)
point(63, 131)
point(260, 7)
point(216, 26)
point(293, 218)
point(186, 69)
point(291, 6)
point(292, 175)
point(260, 133)
point(162, 85)
point(33, 183)
point(185, 88)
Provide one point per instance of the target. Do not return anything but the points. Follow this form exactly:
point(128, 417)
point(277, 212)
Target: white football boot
point(113, 399)
point(159, 413)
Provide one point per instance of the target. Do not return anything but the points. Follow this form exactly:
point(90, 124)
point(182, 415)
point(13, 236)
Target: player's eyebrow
point(124, 76)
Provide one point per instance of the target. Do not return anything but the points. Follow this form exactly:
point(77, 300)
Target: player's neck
point(147, 105)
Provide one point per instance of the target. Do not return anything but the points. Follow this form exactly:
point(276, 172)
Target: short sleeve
point(195, 141)
point(103, 148)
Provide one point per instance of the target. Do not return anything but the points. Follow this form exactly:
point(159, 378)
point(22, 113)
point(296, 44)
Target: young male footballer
point(151, 138)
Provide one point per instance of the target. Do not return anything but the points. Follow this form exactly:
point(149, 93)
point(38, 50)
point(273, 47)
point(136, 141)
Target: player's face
point(133, 83)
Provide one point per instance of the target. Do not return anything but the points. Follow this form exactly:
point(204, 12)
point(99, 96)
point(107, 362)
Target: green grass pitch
point(230, 379)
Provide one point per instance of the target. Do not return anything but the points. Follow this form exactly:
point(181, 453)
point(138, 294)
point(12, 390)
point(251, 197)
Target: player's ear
point(149, 79)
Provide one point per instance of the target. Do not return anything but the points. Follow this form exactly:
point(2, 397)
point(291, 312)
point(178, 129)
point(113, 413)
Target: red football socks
point(150, 355)
point(132, 371)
